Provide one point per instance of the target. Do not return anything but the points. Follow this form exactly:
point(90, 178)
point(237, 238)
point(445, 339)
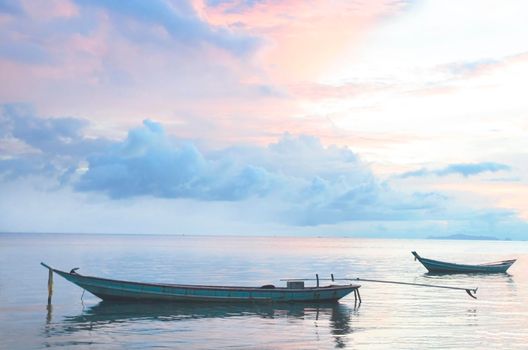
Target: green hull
point(108, 289)
point(435, 266)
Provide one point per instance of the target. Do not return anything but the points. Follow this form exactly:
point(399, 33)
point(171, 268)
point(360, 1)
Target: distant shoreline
point(447, 237)
point(469, 238)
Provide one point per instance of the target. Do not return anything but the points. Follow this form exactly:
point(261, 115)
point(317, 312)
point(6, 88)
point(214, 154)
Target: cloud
point(472, 168)
point(234, 6)
point(180, 21)
point(301, 181)
point(314, 33)
point(464, 169)
point(452, 77)
point(40, 34)
point(13, 168)
point(51, 146)
point(54, 136)
point(24, 52)
point(317, 91)
point(128, 60)
point(148, 163)
point(295, 181)
point(471, 69)
point(10, 7)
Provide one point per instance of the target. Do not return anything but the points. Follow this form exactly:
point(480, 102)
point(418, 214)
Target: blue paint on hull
point(108, 289)
point(435, 266)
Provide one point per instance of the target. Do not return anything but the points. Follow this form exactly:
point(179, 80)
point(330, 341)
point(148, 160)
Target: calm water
point(390, 316)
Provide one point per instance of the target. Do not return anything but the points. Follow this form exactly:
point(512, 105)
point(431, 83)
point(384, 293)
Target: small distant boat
point(435, 266)
point(295, 291)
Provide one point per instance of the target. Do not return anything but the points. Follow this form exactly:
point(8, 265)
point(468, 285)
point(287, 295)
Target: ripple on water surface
point(391, 316)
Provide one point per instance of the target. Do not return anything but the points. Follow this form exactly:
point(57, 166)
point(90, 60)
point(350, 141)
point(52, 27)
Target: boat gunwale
point(485, 265)
point(205, 287)
point(499, 263)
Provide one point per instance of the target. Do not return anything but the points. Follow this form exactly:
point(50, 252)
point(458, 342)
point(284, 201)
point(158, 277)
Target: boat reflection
point(461, 277)
point(469, 274)
point(107, 314)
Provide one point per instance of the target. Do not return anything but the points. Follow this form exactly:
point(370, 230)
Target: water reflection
point(108, 312)
point(49, 313)
point(472, 278)
point(105, 315)
point(340, 324)
point(468, 274)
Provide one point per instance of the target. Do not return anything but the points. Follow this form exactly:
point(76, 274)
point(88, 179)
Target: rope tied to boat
point(470, 291)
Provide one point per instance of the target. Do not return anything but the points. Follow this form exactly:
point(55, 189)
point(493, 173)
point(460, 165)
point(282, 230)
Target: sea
point(390, 316)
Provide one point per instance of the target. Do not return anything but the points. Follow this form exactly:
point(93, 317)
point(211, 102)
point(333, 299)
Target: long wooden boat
point(435, 266)
point(109, 289)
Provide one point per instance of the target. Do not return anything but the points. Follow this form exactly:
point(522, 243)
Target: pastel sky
point(375, 118)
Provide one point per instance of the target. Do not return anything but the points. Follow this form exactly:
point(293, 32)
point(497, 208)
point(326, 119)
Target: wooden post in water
point(50, 285)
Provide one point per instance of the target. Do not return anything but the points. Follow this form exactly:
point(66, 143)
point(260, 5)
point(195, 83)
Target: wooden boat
point(435, 266)
point(109, 289)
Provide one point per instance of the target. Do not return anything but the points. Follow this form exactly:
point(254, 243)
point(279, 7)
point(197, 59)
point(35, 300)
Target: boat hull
point(108, 289)
point(435, 266)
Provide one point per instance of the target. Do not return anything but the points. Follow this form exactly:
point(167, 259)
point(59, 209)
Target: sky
point(375, 118)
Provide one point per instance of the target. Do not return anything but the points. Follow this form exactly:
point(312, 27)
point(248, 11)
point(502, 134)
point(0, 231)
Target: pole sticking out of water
point(50, 285)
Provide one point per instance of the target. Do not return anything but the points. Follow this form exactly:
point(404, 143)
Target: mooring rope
point(469, 291)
